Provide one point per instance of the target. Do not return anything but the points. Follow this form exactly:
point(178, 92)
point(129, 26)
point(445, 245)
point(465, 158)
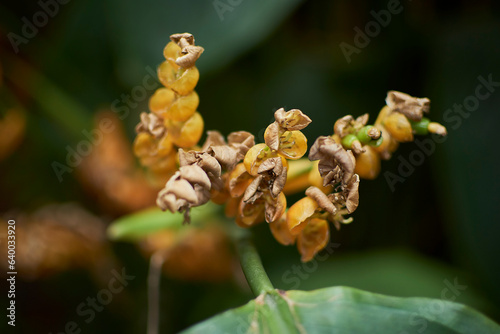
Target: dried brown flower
point(291, 120)
point(152, 124)
point(411, 107)
point(190, 52)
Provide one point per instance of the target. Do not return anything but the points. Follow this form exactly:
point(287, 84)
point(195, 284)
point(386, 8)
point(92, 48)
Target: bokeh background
point(440, 225)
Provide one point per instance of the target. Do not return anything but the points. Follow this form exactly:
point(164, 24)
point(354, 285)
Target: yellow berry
point(388, 146)
point(367, 164)
point(144, 145)
point(399, 127)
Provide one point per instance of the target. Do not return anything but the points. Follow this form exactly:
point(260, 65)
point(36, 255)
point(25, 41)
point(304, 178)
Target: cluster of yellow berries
point(252, 179)
point(173, 121)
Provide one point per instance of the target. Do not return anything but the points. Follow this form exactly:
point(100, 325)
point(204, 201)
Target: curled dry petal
point(195, 175)
point(323, 201)
point(293, 119)
point(210, 164)
point(190, 56)
point(214, 138)
point(272, 136)
point(152, 124)
point(182, 39)
point(225, 155)
point(272, 164)
point(362, 120)
point(411, 107)
point(187, 158)
point(183, 189)
point(252, 192)
point(352, 197)
point(242, 141)
point(279, 183)
point(343, 125)
point(239, 179)
point(275, 208)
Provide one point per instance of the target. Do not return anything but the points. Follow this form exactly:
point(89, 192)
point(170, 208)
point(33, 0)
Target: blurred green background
point(442, 223)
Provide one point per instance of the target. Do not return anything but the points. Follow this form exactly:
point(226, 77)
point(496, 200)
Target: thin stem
point(154, 277)
point(252, 266)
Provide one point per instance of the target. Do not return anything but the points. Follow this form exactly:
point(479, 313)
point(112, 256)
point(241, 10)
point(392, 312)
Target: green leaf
point(140, 224)
point(346, 310)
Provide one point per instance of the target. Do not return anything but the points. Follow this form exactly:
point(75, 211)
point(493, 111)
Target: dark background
point(442, 223)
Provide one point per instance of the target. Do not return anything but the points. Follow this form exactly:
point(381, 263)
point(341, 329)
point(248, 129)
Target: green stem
point(252, 266)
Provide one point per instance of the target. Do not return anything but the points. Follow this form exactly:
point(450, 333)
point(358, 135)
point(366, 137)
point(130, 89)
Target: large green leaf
point(145, 222)
point(346, 310)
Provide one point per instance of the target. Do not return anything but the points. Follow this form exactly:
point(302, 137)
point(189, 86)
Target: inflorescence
point(252, 179)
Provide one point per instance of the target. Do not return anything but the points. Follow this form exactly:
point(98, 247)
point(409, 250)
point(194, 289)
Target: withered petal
point(293, 119)
point(279, 183)
point(323, 201)
point(362, 120)
point(252, 189)
point(210, 164)
point(225, 155)
point(352, 198)
point(214, 138)
point(195, 175)
point(412, 107)
point(272, 136)
point(342, 125)
point(183, 189)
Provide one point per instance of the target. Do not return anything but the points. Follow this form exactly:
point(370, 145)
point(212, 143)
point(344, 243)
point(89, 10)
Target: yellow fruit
point(399, 127)
point(367, 164)
point(388, 146)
